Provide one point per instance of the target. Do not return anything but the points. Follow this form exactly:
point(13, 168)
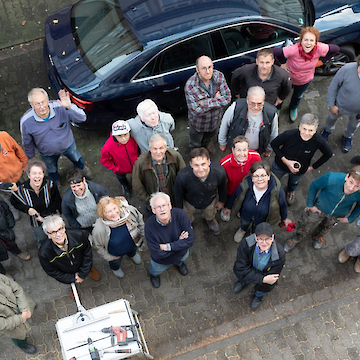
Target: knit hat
point(264, 228)
point(120, 127)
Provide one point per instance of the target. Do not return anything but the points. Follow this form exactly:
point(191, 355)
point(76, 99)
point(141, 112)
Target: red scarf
point(304, 55)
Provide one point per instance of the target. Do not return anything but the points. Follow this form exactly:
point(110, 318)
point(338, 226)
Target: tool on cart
point(121, 334)
point(94, 352)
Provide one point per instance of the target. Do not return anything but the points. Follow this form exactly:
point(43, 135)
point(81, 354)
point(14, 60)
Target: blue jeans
point(71, 153)
point(297, 95)
point(155, 269)
point(294, 179)
point(123, 180)
point(115, 264)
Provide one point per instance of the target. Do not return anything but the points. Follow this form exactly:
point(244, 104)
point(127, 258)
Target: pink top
point(302, 70)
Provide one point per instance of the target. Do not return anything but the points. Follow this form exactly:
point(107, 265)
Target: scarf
point(124, 216)
point(304, 55)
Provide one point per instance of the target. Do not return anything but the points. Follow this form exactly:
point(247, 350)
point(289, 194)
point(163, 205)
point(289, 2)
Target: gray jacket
point(142, 133)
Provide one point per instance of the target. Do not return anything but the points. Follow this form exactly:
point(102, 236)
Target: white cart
point(75, 330)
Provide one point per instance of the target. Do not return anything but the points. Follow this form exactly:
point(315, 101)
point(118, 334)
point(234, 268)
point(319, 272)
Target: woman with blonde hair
point(118, 231)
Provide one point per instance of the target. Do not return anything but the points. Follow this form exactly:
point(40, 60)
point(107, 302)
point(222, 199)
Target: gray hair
point(52, 220)
point(309, 119)
point(158, 194)
point(145, 105)
point(157, 137)
point(34, 91)
point(256, 90)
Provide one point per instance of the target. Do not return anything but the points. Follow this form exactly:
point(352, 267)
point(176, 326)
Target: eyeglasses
point(160, 207)
point(254, 104)
point(267, 240)
point(42, 103)
point(258, 177)
point(56, 231)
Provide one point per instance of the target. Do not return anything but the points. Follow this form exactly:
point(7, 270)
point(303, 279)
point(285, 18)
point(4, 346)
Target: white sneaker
point(239, 235)
point(136, 259)
point(223, 216)
point(119, 273)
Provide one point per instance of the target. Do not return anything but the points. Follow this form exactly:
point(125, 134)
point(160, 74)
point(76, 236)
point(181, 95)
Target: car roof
point(155, 21)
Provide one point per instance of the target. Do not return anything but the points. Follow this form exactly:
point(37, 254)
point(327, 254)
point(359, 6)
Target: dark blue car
point(112, 54)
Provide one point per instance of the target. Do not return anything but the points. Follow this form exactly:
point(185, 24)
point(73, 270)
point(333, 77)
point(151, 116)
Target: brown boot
point(24, 255)
point(357, 266)
point(343, 257)
point(93, 274)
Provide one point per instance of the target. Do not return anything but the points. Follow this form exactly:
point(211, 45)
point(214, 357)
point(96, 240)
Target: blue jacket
point(156, 234)
point(327, 194)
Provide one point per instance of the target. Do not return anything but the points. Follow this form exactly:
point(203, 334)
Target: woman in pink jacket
point(300, 60)
point(119, 154)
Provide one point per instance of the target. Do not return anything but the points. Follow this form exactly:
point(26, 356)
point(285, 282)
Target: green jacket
point(13, 301)
point(144, 180)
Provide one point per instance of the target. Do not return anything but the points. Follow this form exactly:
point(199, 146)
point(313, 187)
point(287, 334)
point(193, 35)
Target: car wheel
point(345, 55)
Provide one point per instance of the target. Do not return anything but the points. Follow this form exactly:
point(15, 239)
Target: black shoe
point(238, 286)
point(155, 281)
point(182, 269)
point(127, 192)
point(355, 160)
point(255, 303)
point(28, 348)
point(346, 144)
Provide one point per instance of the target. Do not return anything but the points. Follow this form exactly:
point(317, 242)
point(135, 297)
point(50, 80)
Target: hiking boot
point(289, 245)
point(238, 286)
point(343, 257)
point(255, 303)
point(223, 216)
point(87, 173)
point(211, 148)
point(28, 348)
point(346, 144)
point(355, 160)
point(155, 281)
point(325, 134)
point(24, 255)
point(127, 192)
point(290, 197)
point(119, 273)
point(182, 269)
point(94, 274)
point(293, 114)
point(136, 259)
point(318, 242)
point(213, 226)
point(239, 235)
point(357, 266)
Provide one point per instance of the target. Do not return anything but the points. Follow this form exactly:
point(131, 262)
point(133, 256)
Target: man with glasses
point(66, 255)
point(253, 118)
point(206, 93)
point(47, 127)
point(333, 197)
point(259, 261)
point(169, 236)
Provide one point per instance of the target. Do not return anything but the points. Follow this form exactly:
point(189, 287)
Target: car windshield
point(290, 11)
point(101, 33)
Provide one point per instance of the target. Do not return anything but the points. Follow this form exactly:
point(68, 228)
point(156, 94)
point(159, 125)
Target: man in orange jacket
point(13, 162)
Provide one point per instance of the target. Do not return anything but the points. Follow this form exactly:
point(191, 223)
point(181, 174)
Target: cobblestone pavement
point(330, 331)
point(198, 312)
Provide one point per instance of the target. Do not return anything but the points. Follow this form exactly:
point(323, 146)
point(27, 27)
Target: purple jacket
point(50, 137)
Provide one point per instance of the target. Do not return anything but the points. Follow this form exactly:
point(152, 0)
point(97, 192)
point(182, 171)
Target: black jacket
point(240, 123)
point(200, 194)
point(244, 269)
point(62, 266)
point(46, 203)
point(293, 147)
point(68, 202)
point(7, 220)
point(246, 76)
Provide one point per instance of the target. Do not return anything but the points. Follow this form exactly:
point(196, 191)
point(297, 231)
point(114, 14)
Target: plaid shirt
point(161, 171)
point(206, 118)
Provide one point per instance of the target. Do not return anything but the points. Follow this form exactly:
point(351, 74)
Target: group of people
point(242, 184)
